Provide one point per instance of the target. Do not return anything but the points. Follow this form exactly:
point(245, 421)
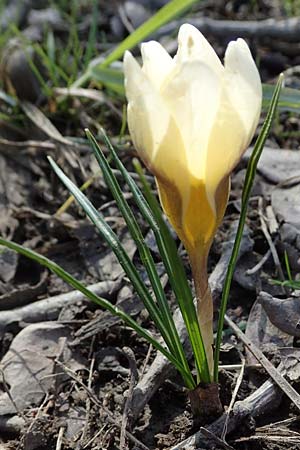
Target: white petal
point(192, 45)
point(133, 75)
point(243, 84)
point(157, 63)
point(193, 96)
point(237, 117)
point(148, 118)
point(225, 147)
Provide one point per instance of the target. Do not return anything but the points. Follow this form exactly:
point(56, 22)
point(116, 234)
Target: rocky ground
point(73, 376)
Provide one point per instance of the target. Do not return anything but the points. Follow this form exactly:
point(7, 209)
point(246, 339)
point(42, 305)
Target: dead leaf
point(8, 264)
point(263, 333)
point(277, 165)
point(285, 202)
point(28, 365)
point(283, 313)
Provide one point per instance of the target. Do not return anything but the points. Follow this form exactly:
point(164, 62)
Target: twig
point(38, 414)
point(49, 308)
point(132, 382)
point(263, 400)
point(280, 30)
point(142, 370)
point(125, 21)
point(259, 265)
point(213, 437)
point(94, 399)
point(267, 235)
point(44, 124)
point(60, 438)
point(233, 398)
point(7, 390)
point(160, 367)
point(91, 94)
point(7, 146)
point(88, 401)
point(274, 373)
point(87, 445)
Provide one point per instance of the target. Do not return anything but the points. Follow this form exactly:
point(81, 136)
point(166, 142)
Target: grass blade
point(114, 243)
point(289, 99)
point(68, 278)
point(174, 345)
point(173, 264)
point(179, 283)
point(249, 178)
point(165, 14)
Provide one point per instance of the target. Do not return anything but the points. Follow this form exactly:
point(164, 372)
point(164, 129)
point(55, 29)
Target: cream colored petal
point(192, 45)
point(244, 85)
point(134, 77)
point(157, 63)
point(237, 118)
point(193, 97)
point(225, 147)
point(148, 117)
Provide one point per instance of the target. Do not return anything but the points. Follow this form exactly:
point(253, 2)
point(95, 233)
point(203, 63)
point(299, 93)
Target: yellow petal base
point(196, 227)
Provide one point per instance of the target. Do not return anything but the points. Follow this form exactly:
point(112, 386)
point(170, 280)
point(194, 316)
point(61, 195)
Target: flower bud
point(191, 118)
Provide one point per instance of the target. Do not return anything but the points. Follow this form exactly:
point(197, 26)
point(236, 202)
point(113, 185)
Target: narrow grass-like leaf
point(111, 77)
point(68, 278)
point(172, 9)
point(71, 199)
point(249, 178)
point(173, 264)
point(174, 345)
point(289, 283)
point(11, 101)
point(110, 237)
point(289, 99)
point(287, 266)
point(114, 243)
point(92, 38)
point(292, 284)
point(179, 282)
point(54, 69)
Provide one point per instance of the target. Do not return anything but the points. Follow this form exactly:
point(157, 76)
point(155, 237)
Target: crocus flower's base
point(205, 402)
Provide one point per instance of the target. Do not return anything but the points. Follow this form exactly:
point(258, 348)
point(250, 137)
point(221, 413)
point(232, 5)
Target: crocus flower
point(191, 118)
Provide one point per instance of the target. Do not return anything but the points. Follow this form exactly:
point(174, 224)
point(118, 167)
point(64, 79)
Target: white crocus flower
point(191, 118)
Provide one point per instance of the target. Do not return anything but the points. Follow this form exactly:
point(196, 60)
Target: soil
point(77, 374)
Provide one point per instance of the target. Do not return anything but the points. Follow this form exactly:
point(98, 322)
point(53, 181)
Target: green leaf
point(249, 178)
point(173, 264)
point(11, 101)
point(174, 344)
point(115, 244)
point(68, 278)
point(289, 99)
point(291, 284)
point(178, 281)
point(113, 78)
point(171, 10)
point(110, 77)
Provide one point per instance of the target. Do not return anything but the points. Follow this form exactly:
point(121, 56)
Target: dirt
point(82, 372)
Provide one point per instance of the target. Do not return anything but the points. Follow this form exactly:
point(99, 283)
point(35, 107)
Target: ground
point(73, 376)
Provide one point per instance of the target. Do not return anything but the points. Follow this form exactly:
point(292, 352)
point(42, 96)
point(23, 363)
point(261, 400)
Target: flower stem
point(204, 303)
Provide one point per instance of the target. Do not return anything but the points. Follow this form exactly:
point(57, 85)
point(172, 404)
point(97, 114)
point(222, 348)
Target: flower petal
point(157, 63)
point(148, 118)
point(225, 147)
point(192, 96)
point(192, 45)
point(237, 117)
point(244, 85)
